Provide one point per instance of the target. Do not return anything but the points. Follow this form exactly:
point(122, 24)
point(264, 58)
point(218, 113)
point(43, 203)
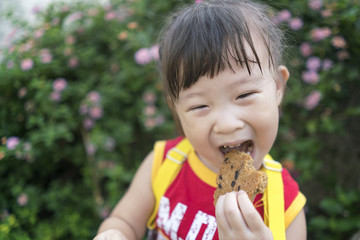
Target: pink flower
point(12, 142)
point(39, 33)
point(313, 63)
point(93, 97)
point(83, 109)
point(159, 120)
point(22, 199)
point(75, 16)
point(70, 40)
point(315, 4)
point(312, 100)
point(327, 64)
point(45, 56)
point(310, 77)
point(27, 64)
point(296, 24)
point(96, 112)
point(154, 50)
point(110, 15)
point(36, 9)
point(198, 1)
point(150, 110)
point(55, 96)
point(318, 34)
point(149, 97)
point(26, 46)
point(22, 92)
point(305, 49)
point(284, 15)
point(90, 149)
point(326, 13)
point(338, 42)
point(150, 123)
point(275, 20)
point(73, 62)
point(59, 84)
point(88, 123)
point(143, 56)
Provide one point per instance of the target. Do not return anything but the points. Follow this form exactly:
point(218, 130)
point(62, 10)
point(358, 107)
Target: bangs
point(208, 38)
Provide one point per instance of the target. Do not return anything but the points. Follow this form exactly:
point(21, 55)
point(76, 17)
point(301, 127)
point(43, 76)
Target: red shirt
point(187, 210)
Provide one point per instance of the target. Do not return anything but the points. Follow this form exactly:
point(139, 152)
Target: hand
point(237, 218)
point(111, 234)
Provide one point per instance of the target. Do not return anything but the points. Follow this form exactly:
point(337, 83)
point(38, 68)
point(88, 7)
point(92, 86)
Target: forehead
point(224, 82)
point(203, 41)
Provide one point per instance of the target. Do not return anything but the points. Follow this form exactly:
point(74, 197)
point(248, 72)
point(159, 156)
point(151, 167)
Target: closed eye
point(200, 107)
point(245, 95)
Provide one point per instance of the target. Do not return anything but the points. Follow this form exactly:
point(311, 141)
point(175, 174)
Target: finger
point(233, 213)
point(250, 215)
point(219, 213)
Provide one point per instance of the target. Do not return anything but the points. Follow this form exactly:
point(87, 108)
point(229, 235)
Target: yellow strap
point(167, 173)
point(273, 196)
point(159, 148)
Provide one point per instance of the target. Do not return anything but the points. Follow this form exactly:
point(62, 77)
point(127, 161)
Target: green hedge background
point(81, 105)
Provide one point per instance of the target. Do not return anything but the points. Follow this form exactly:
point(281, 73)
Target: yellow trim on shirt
point(293, 210)
point(204, 173)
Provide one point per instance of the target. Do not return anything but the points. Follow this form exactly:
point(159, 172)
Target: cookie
point(238, 173)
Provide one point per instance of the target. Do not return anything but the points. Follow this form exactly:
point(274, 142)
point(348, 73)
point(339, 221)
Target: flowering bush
point(81, 105)
point(318, 134)
point(80, 108)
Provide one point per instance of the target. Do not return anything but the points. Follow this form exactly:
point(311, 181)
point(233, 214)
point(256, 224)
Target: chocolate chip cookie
point(238, 173)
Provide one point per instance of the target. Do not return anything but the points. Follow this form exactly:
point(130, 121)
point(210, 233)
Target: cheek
point(266, 119)
point(186, 124)
point(192, 129)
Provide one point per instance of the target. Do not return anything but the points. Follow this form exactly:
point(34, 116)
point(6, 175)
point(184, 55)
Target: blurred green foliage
point(81, 105)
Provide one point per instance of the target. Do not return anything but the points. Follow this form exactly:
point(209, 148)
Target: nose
point(228, 121)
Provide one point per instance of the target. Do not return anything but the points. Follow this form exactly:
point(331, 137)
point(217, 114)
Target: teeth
point(233, 146)
point(246, 146)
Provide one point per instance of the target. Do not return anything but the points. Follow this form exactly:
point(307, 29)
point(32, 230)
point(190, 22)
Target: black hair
point(207, 37)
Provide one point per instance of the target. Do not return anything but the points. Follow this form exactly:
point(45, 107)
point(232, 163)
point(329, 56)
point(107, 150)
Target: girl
point(223, 80)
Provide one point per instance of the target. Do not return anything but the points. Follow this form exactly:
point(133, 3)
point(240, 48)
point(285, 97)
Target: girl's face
point(231, 110)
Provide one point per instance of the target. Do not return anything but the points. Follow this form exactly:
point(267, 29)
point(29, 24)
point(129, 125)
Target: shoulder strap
point(274, 199)
point(167, 173)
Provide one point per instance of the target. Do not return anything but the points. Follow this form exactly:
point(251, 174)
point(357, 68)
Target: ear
point(284, 75)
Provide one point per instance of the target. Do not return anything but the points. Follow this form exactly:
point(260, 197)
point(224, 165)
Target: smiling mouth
point(246, 147)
